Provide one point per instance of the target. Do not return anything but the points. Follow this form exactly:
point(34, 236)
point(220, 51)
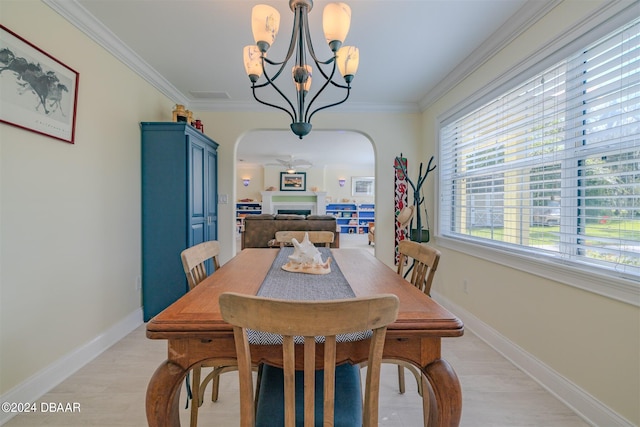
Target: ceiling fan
point(292, 164)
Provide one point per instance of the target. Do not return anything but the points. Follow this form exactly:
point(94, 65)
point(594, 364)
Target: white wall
point(325, 179)
point(590, 340)
point(339, 194)
point(256, 185)
point(70, 214)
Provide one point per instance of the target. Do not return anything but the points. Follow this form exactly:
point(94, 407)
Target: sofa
point(260, 230)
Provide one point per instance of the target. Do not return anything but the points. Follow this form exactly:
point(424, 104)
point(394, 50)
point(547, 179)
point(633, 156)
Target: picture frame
point(37, 92)
point(293, 181)
point(363, 186)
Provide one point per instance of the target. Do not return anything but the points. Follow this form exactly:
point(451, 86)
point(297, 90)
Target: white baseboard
point(582, 403)
point(42, 382)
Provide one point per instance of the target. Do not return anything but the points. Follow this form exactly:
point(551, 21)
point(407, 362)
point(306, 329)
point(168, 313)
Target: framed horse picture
point(37, 92)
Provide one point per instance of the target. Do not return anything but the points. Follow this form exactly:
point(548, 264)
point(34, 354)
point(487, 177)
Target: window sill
point(589, 279)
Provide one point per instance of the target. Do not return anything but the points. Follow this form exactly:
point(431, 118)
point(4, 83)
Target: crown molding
point(351, 107)
point(522, 20)
point(77, 15)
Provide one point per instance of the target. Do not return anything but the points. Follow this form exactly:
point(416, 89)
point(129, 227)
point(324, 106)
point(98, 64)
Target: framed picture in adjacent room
point(363, 185)
point(293, 181)
point(37, 92)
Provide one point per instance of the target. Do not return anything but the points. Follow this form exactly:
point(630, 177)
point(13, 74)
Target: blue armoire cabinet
point(179, 206)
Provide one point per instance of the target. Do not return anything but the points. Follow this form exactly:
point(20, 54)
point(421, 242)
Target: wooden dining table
point(195, 332)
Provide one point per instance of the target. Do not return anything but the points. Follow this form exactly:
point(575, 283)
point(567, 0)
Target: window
point(551, 168)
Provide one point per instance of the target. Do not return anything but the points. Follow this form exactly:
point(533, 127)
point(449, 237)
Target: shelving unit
point(243, 209)
point(366, 214)
point(352, 218)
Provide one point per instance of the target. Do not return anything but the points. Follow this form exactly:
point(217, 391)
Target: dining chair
point(319, 237)
point(423, 263)
point(371, 233)
point(194, 261)
point(286, 394)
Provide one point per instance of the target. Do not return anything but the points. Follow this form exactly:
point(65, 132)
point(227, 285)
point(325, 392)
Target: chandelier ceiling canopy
point(265, 22)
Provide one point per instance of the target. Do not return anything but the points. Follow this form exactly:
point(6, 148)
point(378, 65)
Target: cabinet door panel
point(197, 181)
point(212, 195)
point(198, 233)
point(197, 194)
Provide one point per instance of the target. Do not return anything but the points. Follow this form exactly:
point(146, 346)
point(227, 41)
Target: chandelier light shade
point(302, 77)
point(265, 22)
point(348, 58)
point(336, 19)
point(253, 62)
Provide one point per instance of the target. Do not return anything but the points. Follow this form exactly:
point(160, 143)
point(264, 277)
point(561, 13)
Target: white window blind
point(552, 167)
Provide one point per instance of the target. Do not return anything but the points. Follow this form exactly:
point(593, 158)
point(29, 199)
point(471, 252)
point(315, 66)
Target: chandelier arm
point(340, 86)
point(261, 85)
point(330, 105)
point(273, 105)
point(282, 65)
point(324, 86)
point(292, 44)
point(301, 31)
point(312, 53)
point(300, 60)
point(307, 36)
point(322, 71)
point(270, 81)
point(328, 79)
point(319, 61)
point(294, 116)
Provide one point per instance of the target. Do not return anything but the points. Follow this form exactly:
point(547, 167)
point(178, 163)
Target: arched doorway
point(330, 161)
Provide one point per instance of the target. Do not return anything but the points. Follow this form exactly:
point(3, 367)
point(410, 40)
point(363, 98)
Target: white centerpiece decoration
point(306, 258)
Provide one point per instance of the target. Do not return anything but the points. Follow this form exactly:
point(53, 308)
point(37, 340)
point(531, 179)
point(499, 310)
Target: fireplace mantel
point(311, 200)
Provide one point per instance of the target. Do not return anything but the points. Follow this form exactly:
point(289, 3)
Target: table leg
point(442, 402)
point(429, 416)
point(163, 395)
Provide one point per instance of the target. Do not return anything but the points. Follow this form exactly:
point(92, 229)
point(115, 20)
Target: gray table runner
point(282, 284)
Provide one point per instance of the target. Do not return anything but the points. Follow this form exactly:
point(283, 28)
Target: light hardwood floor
point(111, 391)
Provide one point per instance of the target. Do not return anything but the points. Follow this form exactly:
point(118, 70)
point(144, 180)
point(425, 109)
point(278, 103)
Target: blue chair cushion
point(348, 397)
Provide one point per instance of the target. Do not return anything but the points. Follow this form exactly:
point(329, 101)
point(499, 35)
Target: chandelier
point(265, 22)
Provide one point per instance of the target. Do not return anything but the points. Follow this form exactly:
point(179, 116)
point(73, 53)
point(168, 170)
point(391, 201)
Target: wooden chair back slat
point(194, 258)
point(309, 319)
point(425, 263)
